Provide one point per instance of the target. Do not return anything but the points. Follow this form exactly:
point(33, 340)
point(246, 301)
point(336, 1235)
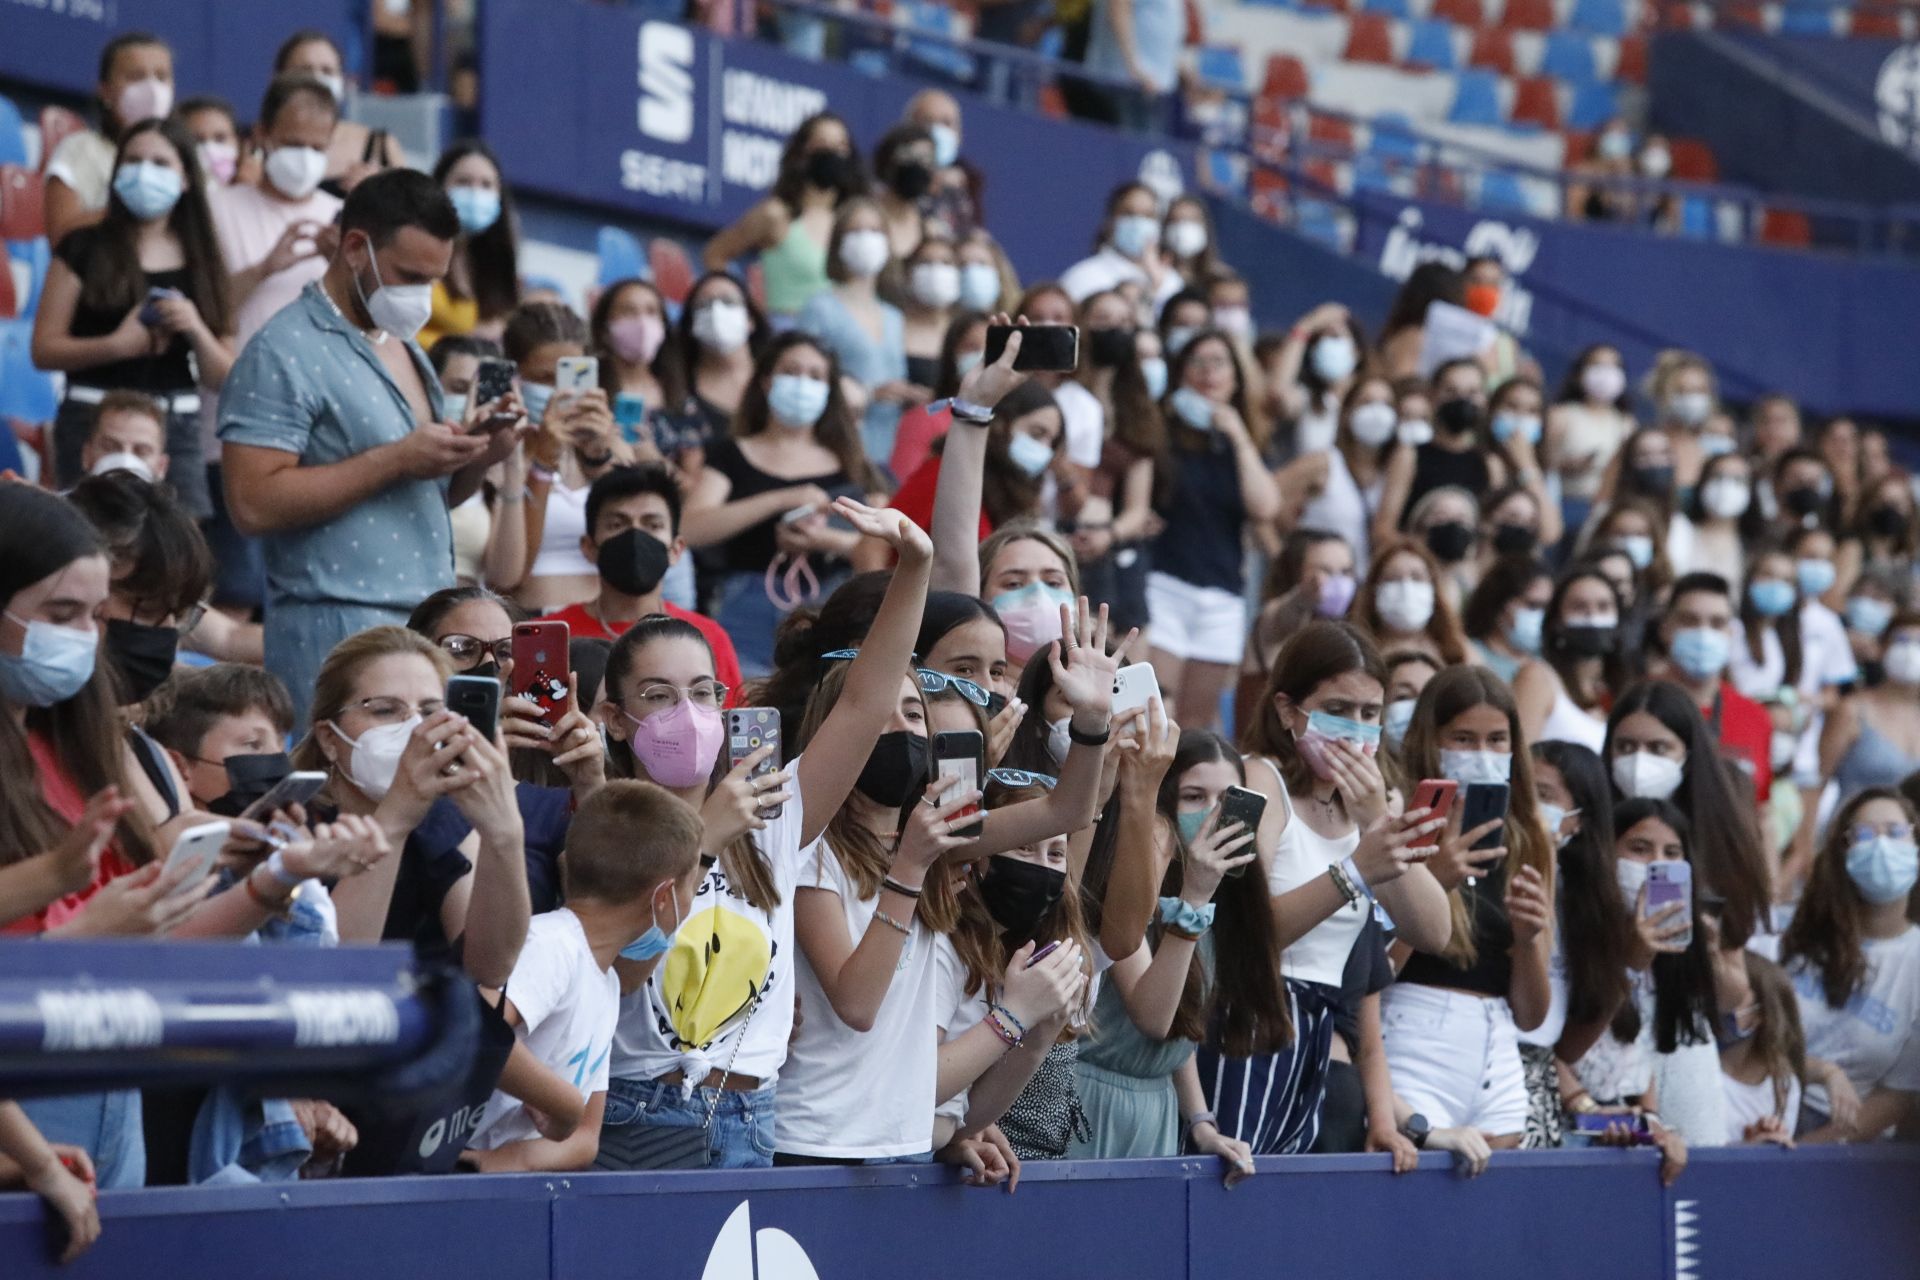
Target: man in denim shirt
point(335, 453)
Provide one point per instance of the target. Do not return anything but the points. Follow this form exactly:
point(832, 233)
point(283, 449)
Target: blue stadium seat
point(1502, 190)
point(1394, 139)
point(1569, 55)
point(1476, 98)
point(621, 257)
point(1806, 20)
point(1601, 17)
point(1593, 105)
point(1370, 174)
point(38, 256)
point(1392, 8)
point(1220, 66)
point(25, 392)
point(1430, 44)
point(13, 142)
point(1320, 220)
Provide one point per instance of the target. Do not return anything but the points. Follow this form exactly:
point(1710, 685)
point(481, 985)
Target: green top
point(795, 270)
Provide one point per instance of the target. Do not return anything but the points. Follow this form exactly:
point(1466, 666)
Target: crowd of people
point(1570, 798)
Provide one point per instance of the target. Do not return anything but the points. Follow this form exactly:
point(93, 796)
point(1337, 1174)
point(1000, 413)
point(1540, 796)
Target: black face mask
point(1514, 539)
point(1109, 348)
point(1457, 417)
point(828, 169)
point(1803, 501)
point(1586, 642)
point(996, 703)
point(143, 656)
point(1655, 482)
point(1886, 522)
point(1450, 542)
point(490, 669)
point(1019, 894)
point(896, 769)
point(911, 179)
point(633, 562)
point(248, 778)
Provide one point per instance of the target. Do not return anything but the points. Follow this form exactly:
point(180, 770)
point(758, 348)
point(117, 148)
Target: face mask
point(1603, 382)
point(1134, 234)
point(1886, 521)
point(397, 309)
point(896, 768)
point(1395, 719)
point(1018, 894)
point(722, 326)
point(1524, 632)
point(1323, 729)
point(375, 759)
point(1177, 338)
point(149, 190)
point(1701, 652)
point(1587, 639)
point(633, 562)
point(1901, 662)
point(1414, 432)
point(1029, 454)
point(1187, 238)
point(54, 664)
point(655, 942)
point(143, 655)
point(1555, 817)
point(1712, 446)
point(1515, 539)
point(1059, 740)
point(636, 338)
point(864, 253)
point(1482, 299)
point(1883, 869)
point(1336, 594)
point(1459, 416)
point(1803, 501)
point(1192, 824)
point(946, 144)
point(1192, 408)
point(219, 159)
point(828, 170)
point(335, 85)
point(144, 100)
point(980, 285)
point(122, 462)
point(1466, 767)
point(1334, 357)
point(1816, 576)
point(1867, 615)
point(678, 746)
point(1643, 775)
point(1406, 605)
point(1109, 348)
point(936, 284)
point(798, 401)
point(453, 406)
point(965, 362)
point(1725, 499)
point(1655, 162)
point(911, 179)
point(1508, 425)
point(1654, 481)
point(1154, 370)
point(1632, 878)
point(1770, 597)
point(478, 207)
point(1781, 750)
point(536, 396)
point(1031, 615)
point(1315, 435)
point(250, 777)
point(1639, 548)
point(296, 172)
point(1235, 322)
point(1689, 408)
point(1372, 424)
point(1450, 541)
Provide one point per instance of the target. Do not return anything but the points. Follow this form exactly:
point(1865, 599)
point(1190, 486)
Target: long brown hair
point(1450, 694)
point(1780, 1041)
point(1443, 628)
point(115, 281)
point(1317, 653)
point(836, 430)
point(1826, 928)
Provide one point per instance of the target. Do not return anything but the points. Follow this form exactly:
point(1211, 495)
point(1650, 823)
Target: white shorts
point(1455, 1058)
point(1198, 624)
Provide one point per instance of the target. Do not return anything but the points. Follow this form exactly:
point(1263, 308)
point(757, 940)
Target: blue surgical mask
point(1770, 597)
point(1326, 726)
point(654, 942)
point(980, 286)
point(946, 144)
point(1466, 767)
point(1029, 454)
point(149, 190)
point(1868, 616)
point(1192, 408)
point(1883, 869)
point(1701, 652)
point(1135, 233)
point(797, 402)
point(54, 664)
point(478, 207)
point(1177, 338)
point(965, 362)
point(1508, 425)
point(1154, 370)
point(1639, 549)
point(1714, 445)
point(1816, 576)
point(1554, 816)
point(1527, 628)
point(453, 406)
point(1395, 719)
point(535, 395)
point(1190, 824)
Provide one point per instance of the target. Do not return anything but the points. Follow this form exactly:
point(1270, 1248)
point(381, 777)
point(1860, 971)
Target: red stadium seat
point(1528, 15)
point(1286, 78)
point(1324, 172)
point(1579, 147)
point(1882, 24)
point(1465, 13)
point(1536, 102)
point(9, 302)
point(1369, 39)
point(1492, 49)
point(23, 214)
point(1632, 67)
point(1784, 226)
point(57, 124)
point(1330, 130)
point(1270, 195)
point(1693, 160)
point(673, 272)
point(1745, 14)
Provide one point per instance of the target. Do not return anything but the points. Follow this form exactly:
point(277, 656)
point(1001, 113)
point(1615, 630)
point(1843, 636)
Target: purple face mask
point(1336, 594)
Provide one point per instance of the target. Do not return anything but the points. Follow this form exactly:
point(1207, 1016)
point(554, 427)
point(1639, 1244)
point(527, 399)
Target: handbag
point(641, 1147)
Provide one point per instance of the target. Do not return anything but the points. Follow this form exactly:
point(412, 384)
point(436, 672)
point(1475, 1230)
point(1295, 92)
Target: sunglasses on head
point(1021, 778)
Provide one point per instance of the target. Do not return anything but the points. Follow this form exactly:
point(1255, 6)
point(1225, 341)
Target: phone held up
point(961, 757)
point(478, 699)
point(749, 729)
point(1044, 348)
point(541, 667)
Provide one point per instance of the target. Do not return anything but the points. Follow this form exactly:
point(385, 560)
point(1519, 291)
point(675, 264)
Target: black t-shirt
point(1368, 972)
point(1436, 468)
point(167, 373)
point(431, 864)
point(753, 548)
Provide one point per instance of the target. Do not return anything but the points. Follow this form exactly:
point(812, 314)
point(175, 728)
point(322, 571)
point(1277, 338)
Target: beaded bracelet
point(1340, 882)
point(901, 889)
point(1008, 1014)
point(999, 1028)
point(890, 922)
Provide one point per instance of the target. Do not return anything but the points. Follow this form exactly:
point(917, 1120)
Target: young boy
point(629, 870)
point(129, 434)
point(205, 715)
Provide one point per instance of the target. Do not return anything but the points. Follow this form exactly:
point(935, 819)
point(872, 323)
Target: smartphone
point(295, 788)
point(478, 699)
point(493, 380)
point(150, 314)
point(196, 849)
point(1238, 804)
point(576, 373)
point(1435, 794)
point(1485, 801)
point(1592, 1124)
point(749, 729)
point(630, 415)
point(540, 667)
point(1668, 883)
point(963, 758)
point(1044, 348)
point(1135, 685)
point(798, 514)
point(1043, 953)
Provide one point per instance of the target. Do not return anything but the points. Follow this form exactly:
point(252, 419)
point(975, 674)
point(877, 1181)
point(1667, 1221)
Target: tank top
point(1568, 723)
point(1590, 430)
point(1872, 760)
point(1437, 468)
point(472, 525)
point(1341, 507)
point(1491, 973)
point(1124, 1049)
point(752, 549)
point(560, 540)
point(1302, 856)
point(795, 270)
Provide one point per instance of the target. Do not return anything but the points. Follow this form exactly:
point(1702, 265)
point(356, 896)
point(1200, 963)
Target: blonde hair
point(1027, 531)
point(334, 685)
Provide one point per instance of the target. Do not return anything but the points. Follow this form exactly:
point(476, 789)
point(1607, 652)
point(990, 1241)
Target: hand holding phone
point(749, 729)
point(1436, 794)
point(195, 852)
point(576, 373)
point(1670, 884)
point(478, 699)
point(294, 789)
point(961, 758)
point(541, 665)
point(1044, 348)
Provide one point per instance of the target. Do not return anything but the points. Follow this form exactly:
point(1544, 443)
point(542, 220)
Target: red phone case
point(1436, 794)
point(541, 667)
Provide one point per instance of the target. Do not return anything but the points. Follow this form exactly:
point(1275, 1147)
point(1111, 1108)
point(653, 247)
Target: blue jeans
point(107, 1126)
point(742, 1133)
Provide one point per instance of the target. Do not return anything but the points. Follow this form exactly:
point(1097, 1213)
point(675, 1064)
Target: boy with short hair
point(129, 434)
point(203, 716)
point(629, 869)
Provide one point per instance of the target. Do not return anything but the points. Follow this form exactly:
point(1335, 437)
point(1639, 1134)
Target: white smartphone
point(295, 788)
point(196, 849)
point(576, 373)
point(1135, 686)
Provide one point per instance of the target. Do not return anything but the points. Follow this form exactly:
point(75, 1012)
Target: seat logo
point(666, 82)
point(739, 1248)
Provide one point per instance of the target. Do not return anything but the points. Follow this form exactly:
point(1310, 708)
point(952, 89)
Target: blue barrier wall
point(1569, 1215)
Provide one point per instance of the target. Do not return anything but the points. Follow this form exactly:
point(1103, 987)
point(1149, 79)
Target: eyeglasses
point(1021, 778)
point(1863, 831)
point(471, 651)
point(658, 695)
point(394, 710)
point(940, 682)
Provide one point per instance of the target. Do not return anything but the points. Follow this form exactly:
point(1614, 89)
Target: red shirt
point(582, 625)
point(64, 797)
point(915, 498)
point(1745, 733)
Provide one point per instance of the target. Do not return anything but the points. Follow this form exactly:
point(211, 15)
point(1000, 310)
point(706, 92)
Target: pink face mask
point(636, 339)
point(1031, 615)
point(144, 100)
point(679, 745)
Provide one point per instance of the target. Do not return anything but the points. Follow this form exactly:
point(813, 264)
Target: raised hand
point(76, 859)
point(739, 804)
point(986, 384)
point(1216, 853)
point(1363, 788)
point(489, 800)
point(908, 540)
point(424, 774)
point(1656, 934)
point(1146, 739)
point(573, 742)
point(1083, 670)
point(1458, 860)
point(1001, 728)
point(1391, 845)
point(1045, 990)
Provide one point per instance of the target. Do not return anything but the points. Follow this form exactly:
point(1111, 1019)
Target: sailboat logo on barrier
point(780, 1256)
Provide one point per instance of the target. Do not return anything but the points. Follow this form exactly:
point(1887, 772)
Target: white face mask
point(1902, 662)
point(1186, 238)
point(980, 285)
point(1372, 424)
point(1466, 767)
point(1406, 605)
point(722, 326)
point(1643, 775)
point(336, 85)
point(398, 309)
point(936, 284)
point(375, 761)
point(1632, 876)
point(1058, 742)
point(864, 253)
point(1725, 499)
point(1603, 382)
point(122, 462)
point(295, 172)
point(1414, 432)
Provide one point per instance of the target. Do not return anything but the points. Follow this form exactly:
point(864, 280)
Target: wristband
point(890, 883)
point(1354, 877)
point(1088, 739)
point(891, 923)
point(1194, 1121)
point(541, 472)
point(976, 415)
point(262, 901)
point(1010, 1016)
point(1185, 919)
point(276, 866)
point(1340, 882)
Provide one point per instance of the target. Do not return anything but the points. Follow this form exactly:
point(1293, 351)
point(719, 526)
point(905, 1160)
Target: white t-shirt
point(1548, 1033)
point(1875, 1039)
point(1826, 659)
point(567, 1006)
point(859, 1095)
point(1108, 269)
point(1749, 1104)
point(84, 161)
point(688, 1018)
point(955, 1012)
point(1084, 423)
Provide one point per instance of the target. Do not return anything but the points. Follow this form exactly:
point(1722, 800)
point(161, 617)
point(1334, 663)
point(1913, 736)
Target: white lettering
point(666, 82)
point(458, 1126)
point(659, 176)
point(326, 1019)
point(775, 106)
point(749, 160)
point(84, 1021)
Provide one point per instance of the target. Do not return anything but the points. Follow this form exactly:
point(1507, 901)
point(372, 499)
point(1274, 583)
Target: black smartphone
point(478, 699)
point(493, 380)
point(1238, 804)
point(961, 757)
point(1485, 801)
point(1044, 348)
point(749, 729)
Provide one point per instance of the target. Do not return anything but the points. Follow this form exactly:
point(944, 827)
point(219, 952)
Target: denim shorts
point(742, 1132)
point(106, 1125)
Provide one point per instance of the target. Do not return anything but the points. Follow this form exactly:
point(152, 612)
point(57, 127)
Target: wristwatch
point(1417, 1130)
point(968, 412)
